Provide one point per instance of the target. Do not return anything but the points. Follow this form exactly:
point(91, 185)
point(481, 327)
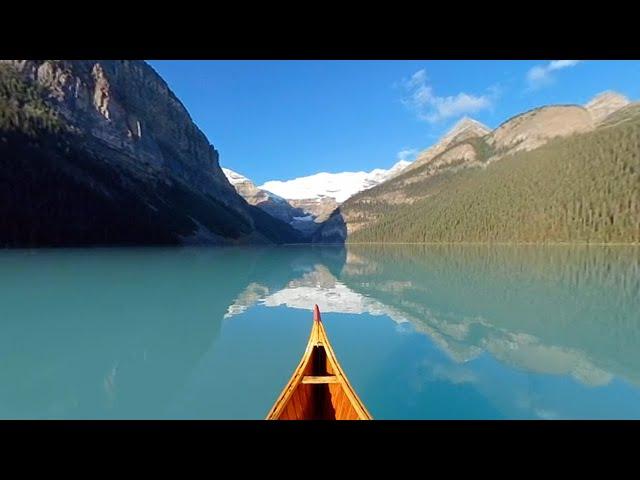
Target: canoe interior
point(319, 401)
point(318, 389)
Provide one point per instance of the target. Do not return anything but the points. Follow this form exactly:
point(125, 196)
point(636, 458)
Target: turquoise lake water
point(423, 332)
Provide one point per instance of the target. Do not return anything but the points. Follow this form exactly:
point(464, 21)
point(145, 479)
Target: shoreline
point(337, 245)
point(538, 244)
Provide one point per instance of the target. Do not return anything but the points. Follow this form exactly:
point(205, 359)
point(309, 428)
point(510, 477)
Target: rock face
point(459, 148)
point(248, 190)
point(147, 173)
point(319, 195)
point(305, 203)
point(299, 218)
point(536, 127)
point(318, 208)
point(604, 104)
point(125, 106)
point(465, 129)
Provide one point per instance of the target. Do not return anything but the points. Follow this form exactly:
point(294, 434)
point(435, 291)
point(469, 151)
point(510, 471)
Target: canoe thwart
point(318, 388)
point(320, 379)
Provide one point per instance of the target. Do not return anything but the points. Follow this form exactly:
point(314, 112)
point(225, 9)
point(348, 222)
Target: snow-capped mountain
point(271, 203)
point(306, 202)
point(319, 287)
point(337, 186)
point(249, 190)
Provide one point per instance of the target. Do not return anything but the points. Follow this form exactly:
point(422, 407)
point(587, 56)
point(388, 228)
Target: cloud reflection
point(461, 338)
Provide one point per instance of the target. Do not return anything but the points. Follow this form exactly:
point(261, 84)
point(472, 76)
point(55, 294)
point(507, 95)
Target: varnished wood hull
point(318, 389)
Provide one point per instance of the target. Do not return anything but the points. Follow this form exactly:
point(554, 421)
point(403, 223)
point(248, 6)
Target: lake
point(422, 332)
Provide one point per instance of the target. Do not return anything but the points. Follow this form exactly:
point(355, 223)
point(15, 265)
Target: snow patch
point(234, 177)
point(339, 186)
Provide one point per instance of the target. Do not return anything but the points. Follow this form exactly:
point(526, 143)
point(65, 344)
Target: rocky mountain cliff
point(319, 208)
point(321, 193)
point(460, 147)
point(306, 203)
point(466, 129)
point(299, 218)
point(467, 146)
point(102, 152)
point(536, 127)
point(604, 104)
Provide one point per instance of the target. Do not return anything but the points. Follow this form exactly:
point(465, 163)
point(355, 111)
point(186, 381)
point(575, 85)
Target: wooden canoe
point(318, 389)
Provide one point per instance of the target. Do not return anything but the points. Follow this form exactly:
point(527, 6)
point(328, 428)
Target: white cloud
point(421, 98)
point(455, 106)
point(407, 154)
point(417, 79)
point(541, 75)
point(546, 414)
point(440, 372)
point(558, 64)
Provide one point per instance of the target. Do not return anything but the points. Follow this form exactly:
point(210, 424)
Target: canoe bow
point(318, 388)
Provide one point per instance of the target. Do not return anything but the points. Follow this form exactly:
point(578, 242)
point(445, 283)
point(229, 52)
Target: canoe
point(318, 389)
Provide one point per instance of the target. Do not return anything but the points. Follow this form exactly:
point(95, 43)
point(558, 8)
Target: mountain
point(443, 290)
point(321, 193)
point(460, 147)
point(306, 202)
point(553, 174)
point(276, 206)
point(536, 127)
point(103, 153)
point(465, 129)
point(604, 104)
point(318, 286)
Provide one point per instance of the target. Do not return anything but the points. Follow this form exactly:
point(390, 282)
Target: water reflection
point(117, 333)
point(128, 333)
point(557, 309)
point(549, 310)
point(316, 286)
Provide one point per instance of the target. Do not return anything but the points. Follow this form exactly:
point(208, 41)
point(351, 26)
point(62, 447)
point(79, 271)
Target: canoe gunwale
point(318, 338)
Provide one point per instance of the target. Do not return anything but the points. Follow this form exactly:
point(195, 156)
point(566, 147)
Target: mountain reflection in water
point(422, 331)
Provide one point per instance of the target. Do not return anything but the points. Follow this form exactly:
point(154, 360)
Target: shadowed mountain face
point(103, 153)
point(117, 333)
point(301, 219)
point(108, 334)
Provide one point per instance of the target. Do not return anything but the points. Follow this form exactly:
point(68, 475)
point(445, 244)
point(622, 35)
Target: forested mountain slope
point(584, 187)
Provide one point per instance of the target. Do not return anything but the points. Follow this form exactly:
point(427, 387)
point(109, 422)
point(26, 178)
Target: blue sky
point(276, 120)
